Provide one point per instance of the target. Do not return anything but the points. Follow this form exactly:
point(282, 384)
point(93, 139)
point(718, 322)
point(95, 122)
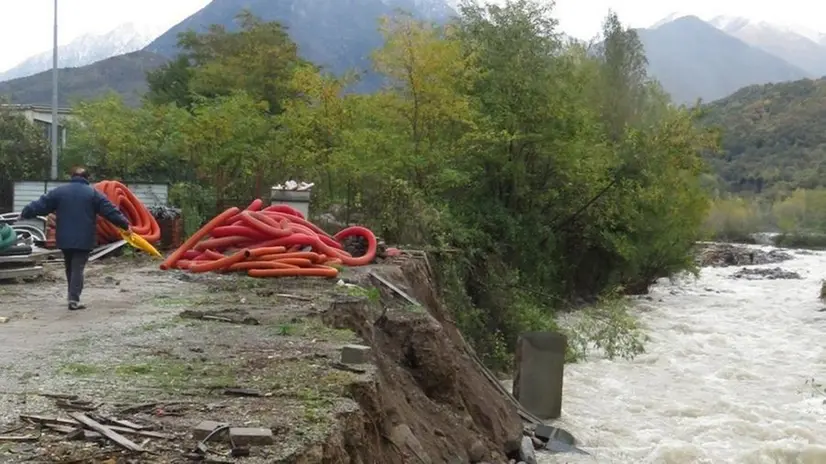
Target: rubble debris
point(346, 368)
point(224, 316)
point(78, 405)
point(765, 273)
point(144, 407)
point(250, 436)
point(527, 452)
point(394, 288)
point(242, 392)
point(726, 254)
point(354, 354)
point(107, 432)
point(18, 438)
point(553, 439)
point(205, 428)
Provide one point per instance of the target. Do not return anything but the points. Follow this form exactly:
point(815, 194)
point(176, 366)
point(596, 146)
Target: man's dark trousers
point(75, 262)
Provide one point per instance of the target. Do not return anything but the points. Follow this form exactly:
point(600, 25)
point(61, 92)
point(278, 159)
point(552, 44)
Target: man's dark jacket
point(76, 205)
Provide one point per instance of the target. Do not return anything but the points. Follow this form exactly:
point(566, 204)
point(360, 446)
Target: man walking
point(76, 205)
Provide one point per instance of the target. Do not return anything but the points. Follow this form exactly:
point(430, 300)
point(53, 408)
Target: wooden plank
point(394, 288)
point(107, 432)
point(141, 433)
point(106, 250)
point(48, 420)
point(126, 423)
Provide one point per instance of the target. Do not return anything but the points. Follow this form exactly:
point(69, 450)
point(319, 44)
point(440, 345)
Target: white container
point(298, 199)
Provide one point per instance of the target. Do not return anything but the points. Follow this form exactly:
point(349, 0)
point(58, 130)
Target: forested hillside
point(539, 175)
point(773, 137)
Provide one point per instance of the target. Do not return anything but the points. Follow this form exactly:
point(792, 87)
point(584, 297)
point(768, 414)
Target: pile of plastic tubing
point(276, 241)
point(139, 217)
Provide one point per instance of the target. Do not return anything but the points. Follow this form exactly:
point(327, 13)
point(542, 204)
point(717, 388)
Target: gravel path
point(132, 346)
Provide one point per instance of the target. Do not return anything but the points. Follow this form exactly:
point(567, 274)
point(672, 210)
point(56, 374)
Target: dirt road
point(133, 346)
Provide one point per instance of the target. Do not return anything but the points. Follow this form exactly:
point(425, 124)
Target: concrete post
point(537, 384)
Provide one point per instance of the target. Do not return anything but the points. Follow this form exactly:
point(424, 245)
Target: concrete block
point(355, 354)
point(205, 428)
point(540, 362)
point(243, 436)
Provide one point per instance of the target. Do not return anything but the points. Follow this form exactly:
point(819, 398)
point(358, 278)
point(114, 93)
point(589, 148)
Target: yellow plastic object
point(140, 243)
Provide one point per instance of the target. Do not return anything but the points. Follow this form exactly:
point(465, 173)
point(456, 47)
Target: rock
point(765, 273)
point(526, 451)
point(205, 428)
point(3, 320)
point(477, 451)
point(537, 443)
point(355, 354)
point(726, 254)
point(250, 436)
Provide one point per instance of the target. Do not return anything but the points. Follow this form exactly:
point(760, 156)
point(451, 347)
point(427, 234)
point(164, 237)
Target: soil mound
point(427, 401)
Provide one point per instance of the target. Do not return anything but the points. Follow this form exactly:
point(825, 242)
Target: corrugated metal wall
point(27, 191)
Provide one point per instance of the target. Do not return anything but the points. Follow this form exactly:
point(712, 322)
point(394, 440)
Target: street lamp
point(55, 125)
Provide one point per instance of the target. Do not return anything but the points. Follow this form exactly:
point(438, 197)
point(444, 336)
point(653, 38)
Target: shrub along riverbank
point(560, 173)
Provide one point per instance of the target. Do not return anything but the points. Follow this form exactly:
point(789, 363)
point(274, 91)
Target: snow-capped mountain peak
point(670, 18)
point(87, 49)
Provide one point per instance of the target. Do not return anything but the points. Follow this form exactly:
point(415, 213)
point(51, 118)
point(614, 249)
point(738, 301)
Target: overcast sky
point(26, 25)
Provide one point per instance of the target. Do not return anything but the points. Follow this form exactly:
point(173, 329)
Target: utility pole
point(55, 122)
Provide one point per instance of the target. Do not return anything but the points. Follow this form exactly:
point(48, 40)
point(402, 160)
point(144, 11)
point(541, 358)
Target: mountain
point(124, 74)
point(693, 59)
point(781, 41)
point(774, 136)
point(337, 34)
point(87, 49)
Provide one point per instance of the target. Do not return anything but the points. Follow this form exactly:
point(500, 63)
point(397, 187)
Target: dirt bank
point(144, 352)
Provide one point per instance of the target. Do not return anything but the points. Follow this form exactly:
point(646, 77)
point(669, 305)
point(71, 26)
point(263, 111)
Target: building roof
point(35, 108)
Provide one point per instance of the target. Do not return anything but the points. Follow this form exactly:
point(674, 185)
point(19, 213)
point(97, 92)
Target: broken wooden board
point(105, 250)
point(394, 288)
point(107, 432)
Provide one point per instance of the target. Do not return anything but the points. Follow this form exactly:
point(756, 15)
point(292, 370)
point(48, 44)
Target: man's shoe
point(74, 306)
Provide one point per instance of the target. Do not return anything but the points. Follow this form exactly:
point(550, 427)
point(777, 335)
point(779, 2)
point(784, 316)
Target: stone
point(250, 436)
point(355, 354)
point(205, 428)
point(526, 451)
point(477, 451)
point(537, 443)
point(540, 362)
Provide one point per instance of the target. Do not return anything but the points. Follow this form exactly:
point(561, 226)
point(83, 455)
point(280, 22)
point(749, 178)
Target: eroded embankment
point(428, 400)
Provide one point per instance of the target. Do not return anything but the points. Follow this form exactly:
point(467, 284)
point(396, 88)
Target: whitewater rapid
point(725, 377)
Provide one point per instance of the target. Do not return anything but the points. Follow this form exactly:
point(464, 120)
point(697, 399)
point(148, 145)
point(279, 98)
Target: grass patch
point(313, 328)
point(164, 301)
point(81, 369)
point(173, 374)
point(157, 372)
point(316, 388)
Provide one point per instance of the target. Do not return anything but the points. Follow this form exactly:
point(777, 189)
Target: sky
point(26, 25)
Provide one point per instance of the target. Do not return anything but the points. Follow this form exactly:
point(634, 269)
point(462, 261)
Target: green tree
point(258, 59)
point(24, 151)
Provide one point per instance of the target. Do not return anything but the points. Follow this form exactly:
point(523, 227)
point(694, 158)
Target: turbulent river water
point(726, 377)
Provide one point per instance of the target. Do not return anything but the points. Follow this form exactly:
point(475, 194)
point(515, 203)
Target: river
point(726, 377)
